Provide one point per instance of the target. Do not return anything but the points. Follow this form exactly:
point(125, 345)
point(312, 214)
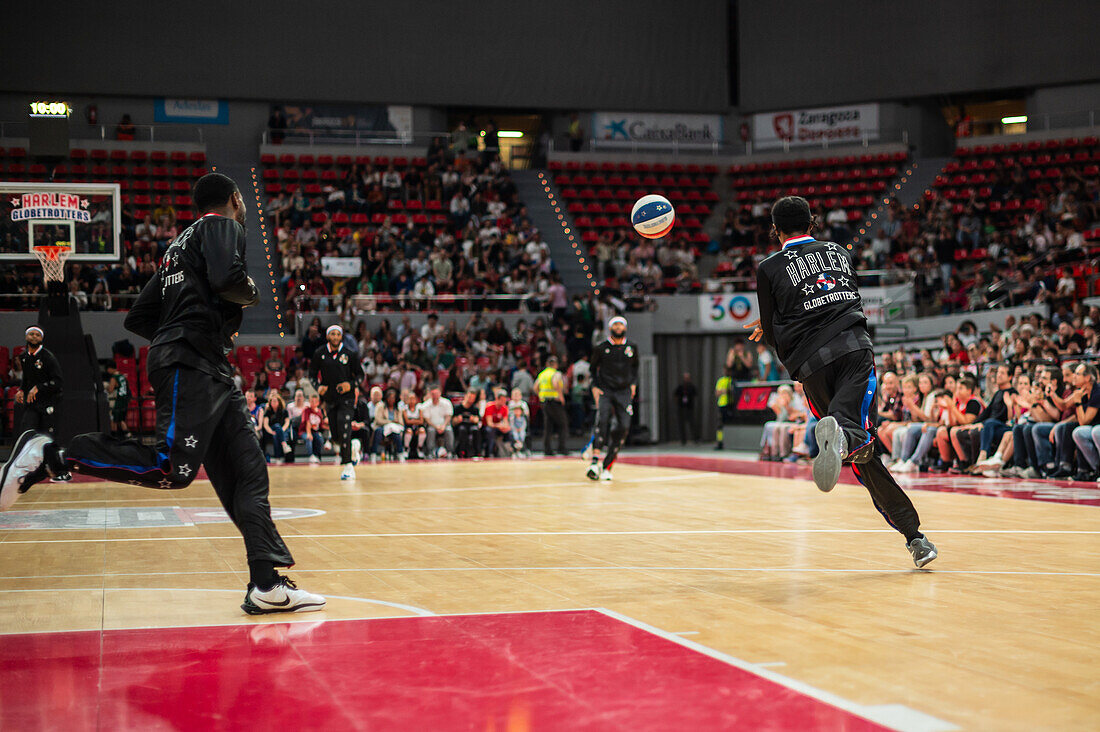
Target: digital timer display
point(50, 109)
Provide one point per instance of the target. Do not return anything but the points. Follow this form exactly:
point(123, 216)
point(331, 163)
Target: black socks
point(262, 574)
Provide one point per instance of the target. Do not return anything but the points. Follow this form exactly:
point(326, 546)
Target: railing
point(141, 133)
point(735, 149)
point(115, 301)
point(458, 303)
point(351, 138)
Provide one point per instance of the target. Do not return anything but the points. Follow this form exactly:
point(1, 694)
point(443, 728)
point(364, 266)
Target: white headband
point(34, 329)
point(332, 328)
point(617, 320)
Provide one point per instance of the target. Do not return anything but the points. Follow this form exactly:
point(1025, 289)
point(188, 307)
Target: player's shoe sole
point(833, 448)
point(923, 551)
point(26, 459)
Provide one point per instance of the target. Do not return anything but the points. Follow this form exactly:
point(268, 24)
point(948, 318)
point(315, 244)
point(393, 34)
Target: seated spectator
point(389, 427)
point(960, 414)
point(313, 424)
point(1046, 408)
point(412, 416)
point(467, 426)
point(362, 424)
point(519, 432)
point(789, 409)
point(994, 418)
point(276, 426)
point(498, 426)
point(1086, 402)
point(438, 414)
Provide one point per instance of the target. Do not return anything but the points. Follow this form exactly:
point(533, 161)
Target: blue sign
point(191, 111)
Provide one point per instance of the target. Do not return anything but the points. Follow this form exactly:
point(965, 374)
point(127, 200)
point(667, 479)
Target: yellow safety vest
point(545, 383)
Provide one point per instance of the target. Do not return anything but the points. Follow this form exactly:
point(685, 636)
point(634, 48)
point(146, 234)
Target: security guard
point(551, 388)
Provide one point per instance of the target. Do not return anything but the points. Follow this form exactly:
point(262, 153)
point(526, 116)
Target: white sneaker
point(903, 466)
point(374, 459)
point(284, 597)
point(348, 473)
point(593, 471)
point(314, 459)
point(328, 445)
point(401, 457)
point(24, 468)
point(605, 475)
point(441, 453)
point(356, 451)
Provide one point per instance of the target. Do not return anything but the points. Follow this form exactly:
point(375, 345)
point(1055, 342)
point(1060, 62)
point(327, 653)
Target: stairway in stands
point(261, 318)
point(532, 192)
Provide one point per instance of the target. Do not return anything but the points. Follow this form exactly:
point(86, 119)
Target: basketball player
point(189, 310)
point(41, 390)
point(335, 372)
point(614, 384)
point(812, 315)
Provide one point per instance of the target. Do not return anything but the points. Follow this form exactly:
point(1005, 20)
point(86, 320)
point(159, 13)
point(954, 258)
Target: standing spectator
point(723, 393)
point(276, 123)
point(685, 408)
point(125, 130)
point(576, 133)
point(551, 387)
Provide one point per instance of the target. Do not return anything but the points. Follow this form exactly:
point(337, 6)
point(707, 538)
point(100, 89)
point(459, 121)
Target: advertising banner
point(363, 117)
point(728, 312)
point(805, 127)
point(191, 111)
point(631, 129)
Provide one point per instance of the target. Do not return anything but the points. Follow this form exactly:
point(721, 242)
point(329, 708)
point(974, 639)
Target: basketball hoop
point(52, 258)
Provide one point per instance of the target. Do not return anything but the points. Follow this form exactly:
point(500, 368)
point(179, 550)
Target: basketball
point(653, 216)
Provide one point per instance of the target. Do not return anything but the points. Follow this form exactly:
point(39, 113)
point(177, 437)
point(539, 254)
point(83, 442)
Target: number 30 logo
point(735, 307)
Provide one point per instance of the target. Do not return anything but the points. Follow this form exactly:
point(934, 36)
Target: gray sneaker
point(923, 551)
point(834, 448)
point(1029, 474)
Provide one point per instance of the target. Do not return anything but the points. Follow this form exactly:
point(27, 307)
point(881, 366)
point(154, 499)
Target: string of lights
point(267, 253)
point(580, 253)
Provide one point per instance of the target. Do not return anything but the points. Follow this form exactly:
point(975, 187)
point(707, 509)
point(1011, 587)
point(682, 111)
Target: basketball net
point(52, 258)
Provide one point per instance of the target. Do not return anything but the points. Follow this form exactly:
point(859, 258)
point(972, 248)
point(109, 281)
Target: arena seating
point(853, 182)
point(599, 196)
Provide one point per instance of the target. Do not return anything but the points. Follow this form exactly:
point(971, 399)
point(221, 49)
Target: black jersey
point(192, 307)
point(614, 366)
point(329, 368)
point(41, 369)
point(809, 303)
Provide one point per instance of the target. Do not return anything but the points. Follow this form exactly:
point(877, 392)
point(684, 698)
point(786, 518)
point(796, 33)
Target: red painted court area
point(569, 670)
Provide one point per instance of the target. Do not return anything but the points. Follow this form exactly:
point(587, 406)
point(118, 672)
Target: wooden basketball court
point(717, 576)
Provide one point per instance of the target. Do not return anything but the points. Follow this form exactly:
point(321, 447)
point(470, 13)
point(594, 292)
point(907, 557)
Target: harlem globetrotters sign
point(52, 206)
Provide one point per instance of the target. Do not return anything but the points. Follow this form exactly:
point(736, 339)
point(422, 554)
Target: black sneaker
point(923, 551)
point(593, 471)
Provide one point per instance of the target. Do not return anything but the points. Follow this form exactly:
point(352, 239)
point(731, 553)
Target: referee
point(335, 372)
point(812, 314)
point(614, 384)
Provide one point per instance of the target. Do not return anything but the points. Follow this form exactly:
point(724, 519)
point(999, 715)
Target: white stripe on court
point(898, 717)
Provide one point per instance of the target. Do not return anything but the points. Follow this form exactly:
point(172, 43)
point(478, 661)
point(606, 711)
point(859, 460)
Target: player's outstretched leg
point(833, 448)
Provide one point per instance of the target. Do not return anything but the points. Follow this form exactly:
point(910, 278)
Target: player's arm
point(635, 365)
point(355, 369)
point(315, 371)
point(144, 315)
point(766, 304)
point(594, 372)
point(223, 248)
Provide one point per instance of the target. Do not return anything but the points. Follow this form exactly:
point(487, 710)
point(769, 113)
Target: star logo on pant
point(190, 441)
point(135, 482)
point(165, 483)
point(184, 470)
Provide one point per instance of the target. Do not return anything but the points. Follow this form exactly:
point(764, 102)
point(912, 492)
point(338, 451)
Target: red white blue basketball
point(825, 283)
point(653, 216)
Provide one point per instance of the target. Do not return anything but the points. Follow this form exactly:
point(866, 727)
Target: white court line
point(587, 568)
point(370, 493)
point(430, 534)
point(912, 722)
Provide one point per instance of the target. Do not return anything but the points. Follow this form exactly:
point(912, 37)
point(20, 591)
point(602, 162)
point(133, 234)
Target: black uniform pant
point(613, 415)
point(846, 389)
point(340, 414)
point(41, 418)
point(468, 440)
point(554, 419)
point(201, 420)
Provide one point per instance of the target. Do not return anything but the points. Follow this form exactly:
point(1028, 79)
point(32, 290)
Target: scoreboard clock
point(49, 128)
